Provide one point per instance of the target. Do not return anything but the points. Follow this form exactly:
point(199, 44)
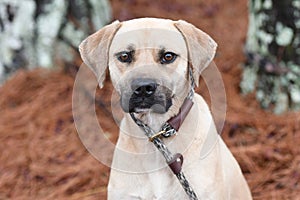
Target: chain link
point(168, 130)
point(186, 186)
point(192, 91)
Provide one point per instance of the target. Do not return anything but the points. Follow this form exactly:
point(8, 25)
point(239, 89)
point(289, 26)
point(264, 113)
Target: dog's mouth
point(158, 103)
point(158, 100)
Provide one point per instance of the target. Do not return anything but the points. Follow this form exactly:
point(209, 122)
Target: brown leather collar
point(178, 119)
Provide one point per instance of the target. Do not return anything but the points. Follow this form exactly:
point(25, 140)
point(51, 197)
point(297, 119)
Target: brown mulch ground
point(41, 156)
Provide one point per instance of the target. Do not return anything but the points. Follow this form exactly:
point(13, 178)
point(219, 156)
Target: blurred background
point(41, 156)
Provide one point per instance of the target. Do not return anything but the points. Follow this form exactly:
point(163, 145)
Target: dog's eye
point(125, 57)
point(168, 57)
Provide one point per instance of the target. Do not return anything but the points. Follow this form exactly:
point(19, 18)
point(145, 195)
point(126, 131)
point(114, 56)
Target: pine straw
point(41, 155)
point(267, 150)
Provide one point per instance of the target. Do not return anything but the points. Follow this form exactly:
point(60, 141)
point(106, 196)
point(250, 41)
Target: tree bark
point(272, 69)
point(46, 32)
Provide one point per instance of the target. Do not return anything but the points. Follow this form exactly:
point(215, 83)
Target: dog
point(148, 61)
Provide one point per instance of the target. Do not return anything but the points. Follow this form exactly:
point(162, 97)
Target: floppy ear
point(201, 47)
point(94, 50)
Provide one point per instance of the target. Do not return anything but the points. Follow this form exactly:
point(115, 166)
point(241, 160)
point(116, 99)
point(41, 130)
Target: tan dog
point(148, 64)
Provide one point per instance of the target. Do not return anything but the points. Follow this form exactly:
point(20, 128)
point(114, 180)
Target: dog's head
point(148, 60)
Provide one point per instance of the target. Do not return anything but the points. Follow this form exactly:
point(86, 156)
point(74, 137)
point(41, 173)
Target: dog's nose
point(144, 87)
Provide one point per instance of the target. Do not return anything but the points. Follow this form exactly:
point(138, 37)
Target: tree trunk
point(272, 69)
point(44, 32)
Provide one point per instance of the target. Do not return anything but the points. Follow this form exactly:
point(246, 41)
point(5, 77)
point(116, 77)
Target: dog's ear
point(94, 50)
point(201, 47)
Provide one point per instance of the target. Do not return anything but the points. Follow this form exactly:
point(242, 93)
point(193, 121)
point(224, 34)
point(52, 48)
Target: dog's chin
point(159, 104)
point(142, 110)
point(156, 108)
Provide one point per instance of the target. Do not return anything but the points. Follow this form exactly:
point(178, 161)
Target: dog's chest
point(158, 185)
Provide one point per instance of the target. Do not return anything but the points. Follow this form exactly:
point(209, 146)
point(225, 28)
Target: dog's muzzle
point(146, 95)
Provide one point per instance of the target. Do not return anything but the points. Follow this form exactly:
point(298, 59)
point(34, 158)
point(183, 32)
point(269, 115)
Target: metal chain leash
point(156, 141)
point(186, 186)
point(159, 144)
point(166, 131)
